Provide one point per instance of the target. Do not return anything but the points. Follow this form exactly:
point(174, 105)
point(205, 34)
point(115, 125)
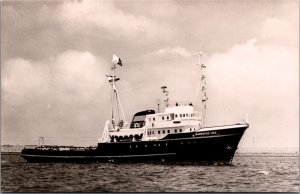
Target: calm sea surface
point(256, 173)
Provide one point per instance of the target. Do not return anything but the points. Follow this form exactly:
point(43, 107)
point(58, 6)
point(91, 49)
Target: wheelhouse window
point(139, 118)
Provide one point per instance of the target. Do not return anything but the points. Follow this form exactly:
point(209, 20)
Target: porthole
point(163, 131)
point(145, 146)
point(166, 144)
point(136, 146)
point(176, 115)
point(181, 143)
point(158, 144)
point(130, 146)
point(154, 145)
point(168, 131)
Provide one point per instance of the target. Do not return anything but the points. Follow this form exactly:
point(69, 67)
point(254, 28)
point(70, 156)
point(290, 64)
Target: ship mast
point(166, 94)
point(204, 97)
point(115, 100)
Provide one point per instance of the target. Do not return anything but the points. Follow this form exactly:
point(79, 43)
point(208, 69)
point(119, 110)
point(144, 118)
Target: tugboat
point(177, 133)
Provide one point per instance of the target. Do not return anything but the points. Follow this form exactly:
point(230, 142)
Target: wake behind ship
point(175, 134)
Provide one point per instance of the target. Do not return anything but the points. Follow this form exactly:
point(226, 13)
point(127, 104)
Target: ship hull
point(217, 145)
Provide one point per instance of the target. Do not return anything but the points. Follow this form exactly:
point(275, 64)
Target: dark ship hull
point(200, 146)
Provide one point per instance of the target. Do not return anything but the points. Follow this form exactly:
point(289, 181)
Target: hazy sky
point(55, 55)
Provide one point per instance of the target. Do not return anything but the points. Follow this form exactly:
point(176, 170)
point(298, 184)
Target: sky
point(55, 54)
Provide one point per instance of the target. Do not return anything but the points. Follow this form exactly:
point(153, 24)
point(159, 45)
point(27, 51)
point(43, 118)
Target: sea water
point(248, 173)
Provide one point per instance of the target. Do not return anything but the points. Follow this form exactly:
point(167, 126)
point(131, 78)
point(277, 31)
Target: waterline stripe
point(125, 156)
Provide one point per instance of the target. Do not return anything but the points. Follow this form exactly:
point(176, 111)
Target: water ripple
point(247, 174)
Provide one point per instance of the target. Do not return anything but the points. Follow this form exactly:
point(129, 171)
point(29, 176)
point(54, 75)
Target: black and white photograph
point(104, 96)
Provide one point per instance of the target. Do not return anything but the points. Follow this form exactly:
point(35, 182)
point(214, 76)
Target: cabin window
point(163, 118)
point(158, 144)
point(163, 131)
point(158, 132)
point(168, 131)
point(175, 130)
point(149, 119)
point(145, 146)
point(136, 146)
point(190, 129)
point(152, 132)
point(180, 115)
point(167, 117)
point(176, 115)
point(166, 144)
point(152, 125)
point(186, 115)
point(153, 118)
point(183, 115)
point(180, 130)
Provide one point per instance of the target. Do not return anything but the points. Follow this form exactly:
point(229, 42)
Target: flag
point(116, 60)
point(203, 66)
point(110, 78)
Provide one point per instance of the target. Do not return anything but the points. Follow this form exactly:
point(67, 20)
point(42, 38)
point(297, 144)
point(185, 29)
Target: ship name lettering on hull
point(206, 133)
